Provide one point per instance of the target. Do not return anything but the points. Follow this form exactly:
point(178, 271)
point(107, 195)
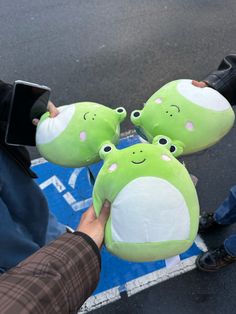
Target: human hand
point(199, 84)
point(94, 226)
point(53, 111)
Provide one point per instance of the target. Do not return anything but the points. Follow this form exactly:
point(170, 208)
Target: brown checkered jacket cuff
point(90, 242)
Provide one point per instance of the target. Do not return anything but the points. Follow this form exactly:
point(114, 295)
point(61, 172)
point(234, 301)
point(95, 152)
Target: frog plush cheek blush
point(73, 138)
point(154, 211)
point(197, 117)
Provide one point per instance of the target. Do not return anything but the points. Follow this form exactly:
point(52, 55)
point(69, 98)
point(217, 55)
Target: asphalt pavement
point(119, 52)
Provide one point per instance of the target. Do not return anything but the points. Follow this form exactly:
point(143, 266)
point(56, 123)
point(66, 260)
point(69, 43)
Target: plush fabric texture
point(195, 117)
point(155, 211)
point(73, 138)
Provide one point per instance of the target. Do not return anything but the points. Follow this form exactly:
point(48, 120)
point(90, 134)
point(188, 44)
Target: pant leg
point(16, 242)
point(54, 229)
point(226, 213)
point(230, 245)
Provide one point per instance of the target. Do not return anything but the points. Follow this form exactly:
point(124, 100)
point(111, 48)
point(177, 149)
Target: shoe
point(214, 260)
point(207, 222)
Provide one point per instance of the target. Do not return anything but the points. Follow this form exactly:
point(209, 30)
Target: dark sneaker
point(214, 260)
point(207, 222)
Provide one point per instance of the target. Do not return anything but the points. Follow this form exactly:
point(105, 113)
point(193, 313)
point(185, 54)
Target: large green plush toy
point(194, 118)
point(74, 137)
point(155, 211)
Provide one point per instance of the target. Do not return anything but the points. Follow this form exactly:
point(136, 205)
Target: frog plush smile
point(155, 211)
point(196, 117)
point(73, 138)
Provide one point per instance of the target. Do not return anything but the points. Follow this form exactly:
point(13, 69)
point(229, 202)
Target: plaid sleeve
point(56, 279)
point(224, 78)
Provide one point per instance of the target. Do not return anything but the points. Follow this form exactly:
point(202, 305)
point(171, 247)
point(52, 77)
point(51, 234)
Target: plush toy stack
point(154, 204)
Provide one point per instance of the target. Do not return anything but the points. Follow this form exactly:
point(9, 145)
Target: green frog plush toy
point(73, 138)
point(155, 211)
point(195, 117)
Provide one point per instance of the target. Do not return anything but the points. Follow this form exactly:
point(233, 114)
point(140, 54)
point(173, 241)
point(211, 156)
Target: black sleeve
point(224, 78)
point(5, 98)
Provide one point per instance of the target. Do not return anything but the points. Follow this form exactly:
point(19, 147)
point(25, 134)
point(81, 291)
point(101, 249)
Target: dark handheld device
point(28, 101)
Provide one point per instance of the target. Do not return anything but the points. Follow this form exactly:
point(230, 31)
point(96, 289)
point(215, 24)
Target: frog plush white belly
point(154, 211)
point(195, 117)
point(73, 138)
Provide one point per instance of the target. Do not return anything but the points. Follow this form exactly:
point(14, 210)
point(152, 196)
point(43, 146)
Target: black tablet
point(28, 101)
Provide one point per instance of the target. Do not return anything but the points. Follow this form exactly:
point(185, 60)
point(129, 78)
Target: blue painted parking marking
point(69, 194)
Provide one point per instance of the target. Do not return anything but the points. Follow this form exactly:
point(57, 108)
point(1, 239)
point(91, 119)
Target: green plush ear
point(175, 147)
point(121, 113)
point(136, 117)
point(106, 150)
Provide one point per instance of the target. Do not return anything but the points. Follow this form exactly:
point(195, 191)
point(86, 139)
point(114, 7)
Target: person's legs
point(225, 214)
point(224, 255)
point(16, 243)
point(55, 228)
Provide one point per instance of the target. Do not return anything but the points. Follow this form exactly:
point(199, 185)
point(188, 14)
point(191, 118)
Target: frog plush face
point(196, 117)
point(155, 211)
point(74, 137)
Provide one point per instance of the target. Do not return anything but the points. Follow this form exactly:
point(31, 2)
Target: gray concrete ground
point(118, 52)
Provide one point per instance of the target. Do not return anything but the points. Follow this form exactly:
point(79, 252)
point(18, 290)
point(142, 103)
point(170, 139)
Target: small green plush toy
point(74, 137)
point(155, 211)
point(194, 118)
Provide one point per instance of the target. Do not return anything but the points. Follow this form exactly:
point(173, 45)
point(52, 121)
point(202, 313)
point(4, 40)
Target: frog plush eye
point(121, 112)
point(135, 117)
point(176, 148)
point(106, 150)
point(173, 149)
point(136, 114)
point(163, 141)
